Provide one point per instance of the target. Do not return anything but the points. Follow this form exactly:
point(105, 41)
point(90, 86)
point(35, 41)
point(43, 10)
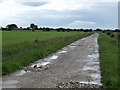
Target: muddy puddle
point(9, 84)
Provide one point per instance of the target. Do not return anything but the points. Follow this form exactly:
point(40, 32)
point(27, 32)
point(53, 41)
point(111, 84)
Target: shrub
point(112, 35)
point(103, 31)
point(108, 33)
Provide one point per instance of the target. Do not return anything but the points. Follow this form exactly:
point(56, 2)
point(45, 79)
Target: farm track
point(76, 65)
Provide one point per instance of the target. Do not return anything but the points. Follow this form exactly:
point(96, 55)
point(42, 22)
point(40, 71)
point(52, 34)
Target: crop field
point(109, 59)
point(20, 48)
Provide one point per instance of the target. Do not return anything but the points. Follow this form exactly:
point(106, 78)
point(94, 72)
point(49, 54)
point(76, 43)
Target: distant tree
point(68, 30)
point(74, 29)
point(108, 33)
point(28, 28)
point(58, 29)
point(11, 27)
point(4, 29)
point(36, 27)
point(21, 28)
point(112, 35)
point(47, 29)
point(98, 29)
point(90, 30)
point(103, 31)
point(32, 26)
point(40, 28)
point(62, 29)
point(117, 30)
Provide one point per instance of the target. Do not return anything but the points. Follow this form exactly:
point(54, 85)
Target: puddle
point(92, 63)
point(20, 73)
point(94, 55)
point(40, 64)
point(91, 68)
point(96, 51)
point(37, 65)
point(96, 46)
point(96, 78)
point(54, 57)
point(62, 52)
point(83, 39)
point(72, 46)
point(91, 82)
point(96, 40)
point(9, 84)
point(44, 63)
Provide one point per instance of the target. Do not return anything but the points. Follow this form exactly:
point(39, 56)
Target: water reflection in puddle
point(96, 78)
point(62, 52)
point(20, 72)
point(92, 82)
point(93, 63)
point(54, 57)
point(9, 84)
point(72, 46)
point(94, 55)
point(40, 64)
point(44, 63)
point(95, 68)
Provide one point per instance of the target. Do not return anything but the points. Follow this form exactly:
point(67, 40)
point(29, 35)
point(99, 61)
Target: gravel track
point(74, 66)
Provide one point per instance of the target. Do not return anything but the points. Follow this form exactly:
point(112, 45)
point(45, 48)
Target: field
point(109, 60)
point(22, 48)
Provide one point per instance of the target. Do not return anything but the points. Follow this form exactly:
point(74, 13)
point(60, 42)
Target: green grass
point(12, 37)
point(109, 60)
point(19, 48)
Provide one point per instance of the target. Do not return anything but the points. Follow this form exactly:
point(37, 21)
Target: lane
point(77, 62)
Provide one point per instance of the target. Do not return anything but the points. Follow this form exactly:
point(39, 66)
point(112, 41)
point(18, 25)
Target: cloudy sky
point(60, 13)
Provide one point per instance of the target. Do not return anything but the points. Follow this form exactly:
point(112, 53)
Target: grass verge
point(109, 60)
point(16, 56)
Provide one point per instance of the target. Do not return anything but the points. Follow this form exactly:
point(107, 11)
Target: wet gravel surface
point(74, 66)
point(73, 84)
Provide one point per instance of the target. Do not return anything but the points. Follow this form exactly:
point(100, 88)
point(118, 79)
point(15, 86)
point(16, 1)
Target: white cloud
point(56, 12)
point(61, 5)
point(11, 8)
point(81, 24)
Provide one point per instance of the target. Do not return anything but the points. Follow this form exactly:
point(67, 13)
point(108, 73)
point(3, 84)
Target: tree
point(98, 29)
point(32, 26)
point(36, 27)
point(11, 27)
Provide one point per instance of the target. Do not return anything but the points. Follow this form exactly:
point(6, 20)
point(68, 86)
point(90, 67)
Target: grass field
point(13, 37)
point(109, 60)
point(21, 48)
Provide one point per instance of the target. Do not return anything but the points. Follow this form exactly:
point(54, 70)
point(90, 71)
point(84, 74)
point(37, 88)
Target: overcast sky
point(60, 13)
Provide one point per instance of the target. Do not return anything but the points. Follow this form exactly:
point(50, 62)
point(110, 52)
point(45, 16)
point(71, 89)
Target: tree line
point(34, 27)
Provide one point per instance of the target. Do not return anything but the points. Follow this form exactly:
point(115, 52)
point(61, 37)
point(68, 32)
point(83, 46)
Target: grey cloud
point(104, 14)
point(34, 4)
point(1, 1)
